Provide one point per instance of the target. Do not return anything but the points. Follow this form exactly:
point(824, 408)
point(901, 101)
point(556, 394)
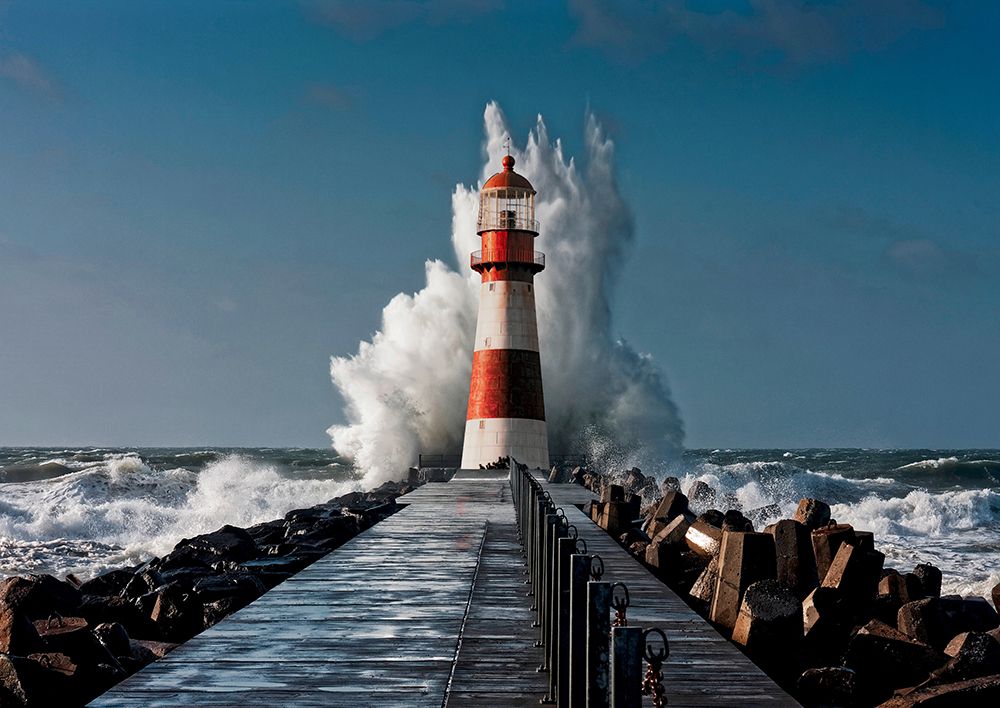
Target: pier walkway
point(428, 608)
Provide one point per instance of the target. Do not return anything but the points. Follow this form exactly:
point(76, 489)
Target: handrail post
point(560, 629)
point(598, 634)
point(576, 679)
point(627, 647)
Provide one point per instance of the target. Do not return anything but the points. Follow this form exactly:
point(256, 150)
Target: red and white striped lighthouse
point(506, 414)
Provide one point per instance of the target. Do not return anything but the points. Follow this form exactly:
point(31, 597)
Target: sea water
point(88, 510)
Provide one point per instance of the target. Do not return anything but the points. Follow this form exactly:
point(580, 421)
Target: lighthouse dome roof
point(508, 178)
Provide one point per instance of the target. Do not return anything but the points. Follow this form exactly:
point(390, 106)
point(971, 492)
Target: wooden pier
point(428, 608)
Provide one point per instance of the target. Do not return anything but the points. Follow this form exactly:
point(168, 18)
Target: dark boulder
point(885, 659)
point(17, 633)
point(110, 583)
point(229, 543)
point(930, 579)
point(38, 596)
point(828, 686)
point(178, 616)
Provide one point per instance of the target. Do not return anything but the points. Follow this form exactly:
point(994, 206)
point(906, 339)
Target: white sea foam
point(405, 390)
point(120, 511)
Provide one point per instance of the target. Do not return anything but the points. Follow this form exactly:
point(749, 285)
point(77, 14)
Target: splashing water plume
point(406, 390)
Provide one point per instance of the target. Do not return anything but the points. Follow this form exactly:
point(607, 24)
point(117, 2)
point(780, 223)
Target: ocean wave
point(123, 508)
point(923, 513)
point(950, 464)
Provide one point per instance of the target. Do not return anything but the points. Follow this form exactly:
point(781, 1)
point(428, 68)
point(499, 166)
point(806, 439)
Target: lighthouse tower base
point(488, 439)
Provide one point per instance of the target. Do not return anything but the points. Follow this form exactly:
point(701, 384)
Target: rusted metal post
point(598, 637)
point(627, 648)
point(579, 573)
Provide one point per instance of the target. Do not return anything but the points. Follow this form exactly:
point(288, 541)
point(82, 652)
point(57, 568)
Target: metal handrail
point(505, 256)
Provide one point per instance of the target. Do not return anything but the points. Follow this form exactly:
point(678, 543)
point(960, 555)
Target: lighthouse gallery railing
point(502, 255)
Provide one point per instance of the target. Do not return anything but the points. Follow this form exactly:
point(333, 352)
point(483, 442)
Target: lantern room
point(507, 202)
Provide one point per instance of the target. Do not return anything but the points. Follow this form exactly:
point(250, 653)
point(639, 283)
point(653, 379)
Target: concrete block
point(703, 538)
point(855, 572)
point(769, 624)
point(930, 579)
point(795, 562)
point(812, 513)
point(744, 558)
point(826, 542)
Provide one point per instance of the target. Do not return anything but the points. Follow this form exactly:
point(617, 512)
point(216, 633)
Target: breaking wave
point(121, 511)
point(405, 391)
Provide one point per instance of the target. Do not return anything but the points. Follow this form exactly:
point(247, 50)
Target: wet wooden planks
point(704, 668)
point(376, 622)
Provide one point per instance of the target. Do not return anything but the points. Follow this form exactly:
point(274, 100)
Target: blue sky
point(201, 202)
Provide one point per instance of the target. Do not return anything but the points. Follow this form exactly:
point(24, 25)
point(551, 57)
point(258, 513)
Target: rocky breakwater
point(64, 642)
point(811, 601)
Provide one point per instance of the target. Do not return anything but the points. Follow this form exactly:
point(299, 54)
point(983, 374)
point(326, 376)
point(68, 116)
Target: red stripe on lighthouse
point(506, 383)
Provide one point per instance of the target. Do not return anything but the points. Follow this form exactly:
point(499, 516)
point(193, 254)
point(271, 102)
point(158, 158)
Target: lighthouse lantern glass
point(506, 208)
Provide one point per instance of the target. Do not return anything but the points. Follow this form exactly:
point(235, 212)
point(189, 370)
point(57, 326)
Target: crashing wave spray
point(406, 390)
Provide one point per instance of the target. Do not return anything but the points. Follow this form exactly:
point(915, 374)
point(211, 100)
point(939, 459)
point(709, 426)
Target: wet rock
point(703, 538)
point(670, 484)
point(930, 579)
point(114, 638)
point(975, 692)
point(826, 542)
point(242, 588)
point(812, 513)
point(701, 495)
point(828, 686)
point(158, 649)
point(268, 532)
point(795, 563)
point(996, 597)
point(733, 520)
point(885, 659)
point(744, 558)
point(968, 614)
point(973, 654)
point(762, 513)
point(229, 543)
point(17, 633)
point(177, 615)
point(97, 609)
point(143, 581)
point(110, 583)
point(38, 596)
point(769, 625)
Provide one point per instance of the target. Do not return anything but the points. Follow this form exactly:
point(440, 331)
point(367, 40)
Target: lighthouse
point(506, 414)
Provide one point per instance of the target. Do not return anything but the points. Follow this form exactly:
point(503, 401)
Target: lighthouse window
point(492, 287)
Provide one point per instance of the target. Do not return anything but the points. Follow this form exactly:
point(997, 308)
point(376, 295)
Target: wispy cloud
point(28, 75)
point(364, 20)
point(798, 32)
point(329, 96)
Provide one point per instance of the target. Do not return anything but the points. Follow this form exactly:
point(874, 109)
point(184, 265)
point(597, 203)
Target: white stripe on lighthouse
point(488, 439)
point(507, 316)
